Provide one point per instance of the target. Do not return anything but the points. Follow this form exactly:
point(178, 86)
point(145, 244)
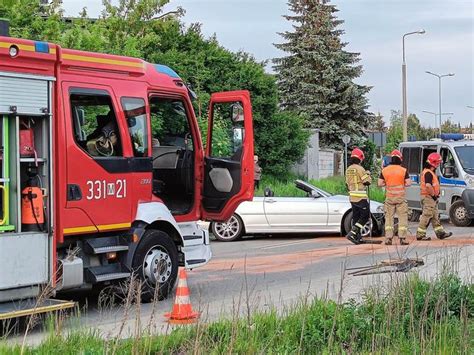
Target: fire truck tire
point(156, 264)
point(458, 214)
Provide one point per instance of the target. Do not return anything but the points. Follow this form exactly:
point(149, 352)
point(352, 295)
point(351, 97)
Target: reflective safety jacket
point(435, 183)
point(356, 176)
point(394, 176)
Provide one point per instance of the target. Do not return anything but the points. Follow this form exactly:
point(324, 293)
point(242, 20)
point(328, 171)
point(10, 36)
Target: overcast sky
point(374, 28)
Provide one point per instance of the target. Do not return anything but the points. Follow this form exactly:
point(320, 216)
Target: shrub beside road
point(334, 185)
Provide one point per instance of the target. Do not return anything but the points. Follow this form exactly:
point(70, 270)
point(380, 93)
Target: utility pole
point(404, 85)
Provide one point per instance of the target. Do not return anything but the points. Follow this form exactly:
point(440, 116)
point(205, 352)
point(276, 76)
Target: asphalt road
point(260, 273)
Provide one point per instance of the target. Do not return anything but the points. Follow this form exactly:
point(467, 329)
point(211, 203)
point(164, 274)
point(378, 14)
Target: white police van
point(456, 173)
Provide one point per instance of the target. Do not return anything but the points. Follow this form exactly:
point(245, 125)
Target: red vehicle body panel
point(120, 76)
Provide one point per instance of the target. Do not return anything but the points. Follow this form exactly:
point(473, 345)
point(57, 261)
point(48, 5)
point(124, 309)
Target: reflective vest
point(394, 176)
point(435, 183)
point(355, 178)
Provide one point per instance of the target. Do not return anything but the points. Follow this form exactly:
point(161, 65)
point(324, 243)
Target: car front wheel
point(228, 231)
point(365, 231)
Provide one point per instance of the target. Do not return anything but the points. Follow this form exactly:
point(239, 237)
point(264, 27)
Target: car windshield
point(307, 187)
point(466, 157)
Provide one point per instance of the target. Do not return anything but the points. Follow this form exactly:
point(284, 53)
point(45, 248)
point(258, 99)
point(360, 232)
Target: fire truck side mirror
point(237, 112)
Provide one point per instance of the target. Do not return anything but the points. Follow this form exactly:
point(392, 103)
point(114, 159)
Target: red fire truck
point(103, 173)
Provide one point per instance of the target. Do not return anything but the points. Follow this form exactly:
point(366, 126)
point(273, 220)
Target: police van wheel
point(156, 264)
point(458, 214)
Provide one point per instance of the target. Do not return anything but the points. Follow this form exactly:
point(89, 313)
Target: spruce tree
point(316, 77)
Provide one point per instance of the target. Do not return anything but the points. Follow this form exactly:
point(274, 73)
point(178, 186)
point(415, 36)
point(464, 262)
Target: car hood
point(345, 199)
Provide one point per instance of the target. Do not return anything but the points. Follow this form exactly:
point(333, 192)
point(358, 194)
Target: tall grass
point(285, 186)
point(411, 316)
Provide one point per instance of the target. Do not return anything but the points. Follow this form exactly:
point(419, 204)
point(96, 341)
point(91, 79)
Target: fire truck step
point(103, 273)
point(29, 307)
point(105, 245)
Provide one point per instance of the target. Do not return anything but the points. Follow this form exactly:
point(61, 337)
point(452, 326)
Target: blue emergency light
point(452, 136)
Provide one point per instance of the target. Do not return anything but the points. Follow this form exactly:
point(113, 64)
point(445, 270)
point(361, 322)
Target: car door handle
point(270, 201)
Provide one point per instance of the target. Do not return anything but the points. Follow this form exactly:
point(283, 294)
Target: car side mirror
point(268, 192)
point(449, 171)
point(315, 194)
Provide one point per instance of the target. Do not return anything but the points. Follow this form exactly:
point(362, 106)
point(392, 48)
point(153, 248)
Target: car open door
point(229, 157)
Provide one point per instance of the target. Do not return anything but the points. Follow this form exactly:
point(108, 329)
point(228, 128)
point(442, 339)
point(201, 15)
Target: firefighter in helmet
point(430, 192)
point(357, 178)
point(395, 178)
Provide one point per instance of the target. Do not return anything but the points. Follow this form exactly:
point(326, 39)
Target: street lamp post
point(404, 85)
point(439, 98)
point(436, 115)
point(472, 127)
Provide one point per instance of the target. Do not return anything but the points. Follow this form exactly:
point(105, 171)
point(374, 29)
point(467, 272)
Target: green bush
point(280, 141)
point(336, 185)
point(414, 316)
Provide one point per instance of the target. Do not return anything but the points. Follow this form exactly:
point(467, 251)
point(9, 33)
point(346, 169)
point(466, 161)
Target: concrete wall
point(318, 163)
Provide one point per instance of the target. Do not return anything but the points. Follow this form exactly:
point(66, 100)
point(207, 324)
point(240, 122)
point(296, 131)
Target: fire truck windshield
point(466, 157)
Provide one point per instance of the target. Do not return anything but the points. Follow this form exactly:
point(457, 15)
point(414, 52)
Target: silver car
point(318, 212)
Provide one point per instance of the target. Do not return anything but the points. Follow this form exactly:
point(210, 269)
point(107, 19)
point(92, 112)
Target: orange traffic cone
point(182, 312)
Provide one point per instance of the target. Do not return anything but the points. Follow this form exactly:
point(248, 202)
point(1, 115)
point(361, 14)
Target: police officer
point(430, 192)
point(395, 178)
point(357, 178)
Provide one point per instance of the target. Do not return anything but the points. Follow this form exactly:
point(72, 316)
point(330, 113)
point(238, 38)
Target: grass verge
point(411, 316)
point(335, 185)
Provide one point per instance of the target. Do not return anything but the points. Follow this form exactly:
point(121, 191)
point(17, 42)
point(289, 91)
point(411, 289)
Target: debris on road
point(387, 266)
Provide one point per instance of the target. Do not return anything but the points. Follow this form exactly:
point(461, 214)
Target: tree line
point(312, 87)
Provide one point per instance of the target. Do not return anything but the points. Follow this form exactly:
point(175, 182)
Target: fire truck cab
point(103, 172)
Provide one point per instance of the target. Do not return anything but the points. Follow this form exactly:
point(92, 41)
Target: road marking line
point(281, 245)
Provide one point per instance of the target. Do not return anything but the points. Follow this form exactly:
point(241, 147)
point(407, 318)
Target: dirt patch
point(299, 260)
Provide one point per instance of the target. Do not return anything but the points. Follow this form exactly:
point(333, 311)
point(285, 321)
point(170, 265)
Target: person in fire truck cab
point(103, 141)
point(430, 192)
point(395, 178)
point(357, 179)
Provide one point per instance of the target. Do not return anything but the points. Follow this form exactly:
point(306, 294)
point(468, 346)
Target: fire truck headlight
point(13, 51)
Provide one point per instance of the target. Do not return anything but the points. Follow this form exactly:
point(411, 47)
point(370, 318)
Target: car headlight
point(380, 209)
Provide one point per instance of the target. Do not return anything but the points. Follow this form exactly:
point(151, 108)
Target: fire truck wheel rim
point(157, 266)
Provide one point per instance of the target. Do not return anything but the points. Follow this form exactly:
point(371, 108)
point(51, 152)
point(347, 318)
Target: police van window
point(135, 113)
point(411, 160)
point(228, 131)
point(95, 124)
point(448, 162)
point(466, 158)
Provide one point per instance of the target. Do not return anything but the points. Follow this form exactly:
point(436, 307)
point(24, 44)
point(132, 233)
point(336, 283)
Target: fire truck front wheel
point(156, 263)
